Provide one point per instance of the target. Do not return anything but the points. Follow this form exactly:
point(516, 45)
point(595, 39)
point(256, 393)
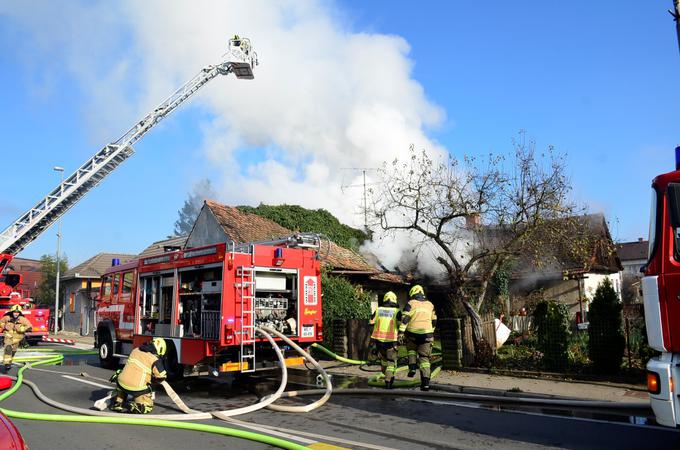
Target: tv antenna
point(364, 184)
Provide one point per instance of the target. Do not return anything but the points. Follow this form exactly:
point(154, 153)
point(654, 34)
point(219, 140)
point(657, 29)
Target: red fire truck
point(10, 295)
point(661, 291)
point(207, 303)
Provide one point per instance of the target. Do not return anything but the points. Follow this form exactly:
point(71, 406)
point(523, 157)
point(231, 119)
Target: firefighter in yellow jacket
point(385, 323)
point(418, 323)
point(15, 326)
point(143, 366)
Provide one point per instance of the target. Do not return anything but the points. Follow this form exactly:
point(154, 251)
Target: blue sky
point(595, 79)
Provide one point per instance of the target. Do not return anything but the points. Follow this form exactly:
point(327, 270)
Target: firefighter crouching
point(385, 334)
point(15, 326)
point(418, 323)
point(143, 366)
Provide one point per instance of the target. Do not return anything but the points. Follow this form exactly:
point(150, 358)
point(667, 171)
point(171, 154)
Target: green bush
point(341, 300)
point(551, 322)
point(297, 218)
point(605, 334)
point(578, 350)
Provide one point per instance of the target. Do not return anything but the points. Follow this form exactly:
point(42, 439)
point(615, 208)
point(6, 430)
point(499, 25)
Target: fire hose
point(161, 420)
point(171, 420)
point(143, 421)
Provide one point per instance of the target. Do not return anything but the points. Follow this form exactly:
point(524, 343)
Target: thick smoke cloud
point(325, 96)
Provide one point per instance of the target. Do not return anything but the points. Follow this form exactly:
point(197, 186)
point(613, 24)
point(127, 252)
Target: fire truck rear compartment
point(276, 301)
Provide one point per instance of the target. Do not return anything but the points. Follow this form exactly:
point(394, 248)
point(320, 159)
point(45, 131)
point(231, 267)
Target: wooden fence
point(488, 331)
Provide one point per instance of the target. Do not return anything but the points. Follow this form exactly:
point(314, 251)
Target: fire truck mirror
point(674, 204)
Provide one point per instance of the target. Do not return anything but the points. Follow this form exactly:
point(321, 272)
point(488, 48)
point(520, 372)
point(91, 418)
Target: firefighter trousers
point(387, 352)
point(142, 401)
point(419, 351)
point(11, 344)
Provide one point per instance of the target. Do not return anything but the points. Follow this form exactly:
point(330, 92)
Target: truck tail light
point(653, 383)
point(229, 332)
point(319, 332)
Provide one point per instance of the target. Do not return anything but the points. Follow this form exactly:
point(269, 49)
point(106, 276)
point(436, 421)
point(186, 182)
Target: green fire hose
point(59, 357)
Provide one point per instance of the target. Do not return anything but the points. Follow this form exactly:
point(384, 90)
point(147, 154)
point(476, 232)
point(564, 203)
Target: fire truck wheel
point(106, 358)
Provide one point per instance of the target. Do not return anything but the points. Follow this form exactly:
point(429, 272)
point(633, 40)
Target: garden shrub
point(551, 323)
point(606, 341)
point(341, 300)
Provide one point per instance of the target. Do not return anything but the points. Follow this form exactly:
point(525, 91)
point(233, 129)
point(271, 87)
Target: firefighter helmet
point(160, 346)
point(390, 297)
point(415, 290)
point(15, 308)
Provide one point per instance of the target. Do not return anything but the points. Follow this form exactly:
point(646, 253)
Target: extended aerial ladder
point(239, 60)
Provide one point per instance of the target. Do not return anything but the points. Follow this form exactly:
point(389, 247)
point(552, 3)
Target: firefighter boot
point(8, 367)
point(411, 370)
point(139, 408)
point(389, 384)
point(424, 384)
point(117, 406)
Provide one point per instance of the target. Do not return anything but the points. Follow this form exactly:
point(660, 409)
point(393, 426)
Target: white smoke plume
point(325, 96)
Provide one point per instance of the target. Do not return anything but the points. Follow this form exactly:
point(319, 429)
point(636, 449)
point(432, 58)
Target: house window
point(72, 302)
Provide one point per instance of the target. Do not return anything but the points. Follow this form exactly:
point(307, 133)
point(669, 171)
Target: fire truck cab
point(207, 303)
point(661, 292)
point(10, 295)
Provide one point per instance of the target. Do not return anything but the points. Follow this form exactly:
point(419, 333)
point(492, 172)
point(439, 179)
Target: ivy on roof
point(297, 218)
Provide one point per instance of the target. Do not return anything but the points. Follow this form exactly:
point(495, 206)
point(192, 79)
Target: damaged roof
point(245, 227)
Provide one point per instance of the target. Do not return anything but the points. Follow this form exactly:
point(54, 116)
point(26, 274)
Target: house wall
point(632, 267)
point(206, 231)
point(593, 280)
point(80, 317)
point(567, 291)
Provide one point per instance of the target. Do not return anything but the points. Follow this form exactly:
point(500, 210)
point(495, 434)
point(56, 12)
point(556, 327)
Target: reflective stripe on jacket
point(136, 374)
point(386, 322)
point(418, 317)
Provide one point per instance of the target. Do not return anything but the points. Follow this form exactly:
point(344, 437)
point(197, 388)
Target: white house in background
point(633, 256)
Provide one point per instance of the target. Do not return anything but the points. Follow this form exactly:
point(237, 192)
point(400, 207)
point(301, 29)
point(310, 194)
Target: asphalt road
point(381, 421)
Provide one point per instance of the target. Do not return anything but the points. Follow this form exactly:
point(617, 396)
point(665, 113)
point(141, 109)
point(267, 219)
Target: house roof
point(95, 266)
point(590, 230)
point(630, 251)
point(245, 227)
point(159, 247)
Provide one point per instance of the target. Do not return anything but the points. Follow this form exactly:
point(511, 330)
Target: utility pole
point(56, 294)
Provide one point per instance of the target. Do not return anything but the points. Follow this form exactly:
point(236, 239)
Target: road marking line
point(86, 382)
point(273, 432)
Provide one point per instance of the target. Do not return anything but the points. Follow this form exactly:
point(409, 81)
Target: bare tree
point(477, 214)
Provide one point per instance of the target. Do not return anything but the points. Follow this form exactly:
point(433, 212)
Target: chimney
point(473, 220)
point(641, 239)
